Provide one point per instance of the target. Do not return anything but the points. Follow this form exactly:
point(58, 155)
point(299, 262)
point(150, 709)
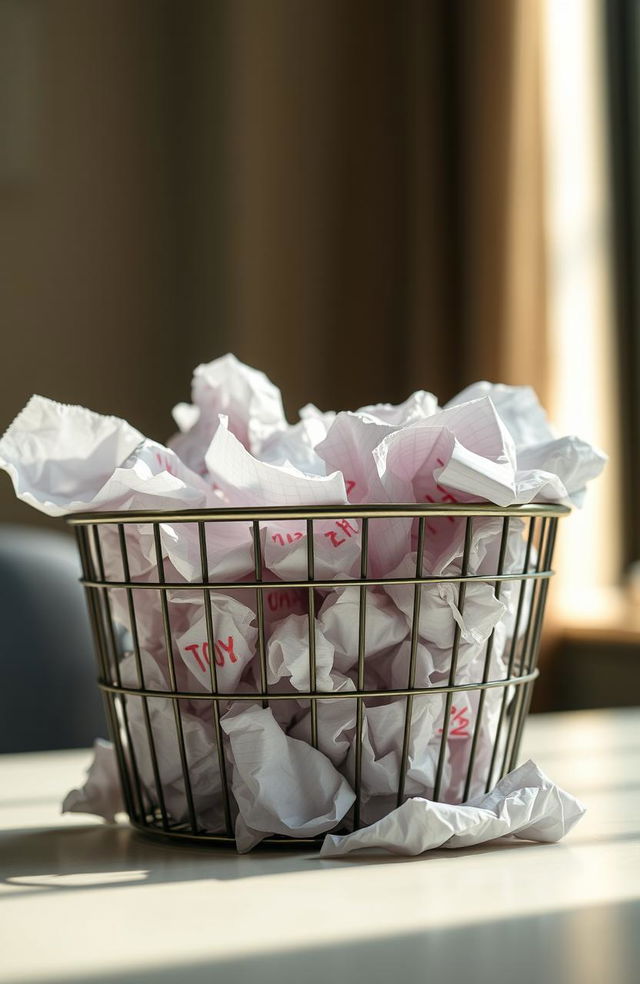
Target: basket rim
point(385, 510)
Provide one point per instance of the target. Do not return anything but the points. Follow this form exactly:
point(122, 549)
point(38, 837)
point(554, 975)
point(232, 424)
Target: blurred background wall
point(360, 198)
point(325, 189)
point(89, 206)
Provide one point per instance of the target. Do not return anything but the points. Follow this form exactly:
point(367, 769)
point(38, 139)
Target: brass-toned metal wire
point(415, 623)
point(362, 635)
point(262, 651)
point(453, 666)
point(311, 617)
point(215, 707)
point(168, 641)
point(261, 514)
point(487, 664)
point(520, 701)
point(121, 705)
point(100, 645)
point(133, 624)
point(146, 801)
point(512, 654)
point(534, 647)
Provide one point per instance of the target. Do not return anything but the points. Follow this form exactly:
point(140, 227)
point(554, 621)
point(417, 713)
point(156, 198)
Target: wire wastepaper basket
point(398, 642)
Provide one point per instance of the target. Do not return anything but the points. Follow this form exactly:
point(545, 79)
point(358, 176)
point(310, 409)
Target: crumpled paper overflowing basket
point(301, 626)
point(303, 695)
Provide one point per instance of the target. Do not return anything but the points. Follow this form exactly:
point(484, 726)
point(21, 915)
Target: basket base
point(178, 836)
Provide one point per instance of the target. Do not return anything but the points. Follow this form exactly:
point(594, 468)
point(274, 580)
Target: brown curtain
point(382, 208)
point(345, 194)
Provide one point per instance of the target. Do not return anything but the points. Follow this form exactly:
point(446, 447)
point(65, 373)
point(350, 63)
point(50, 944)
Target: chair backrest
point(48, 694)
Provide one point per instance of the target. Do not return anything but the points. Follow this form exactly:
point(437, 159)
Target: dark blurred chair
point(48, 692)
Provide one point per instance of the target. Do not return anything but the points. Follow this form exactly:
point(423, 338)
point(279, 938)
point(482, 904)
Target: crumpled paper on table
point(491, 443)
point(101, 793)
point(524, 803)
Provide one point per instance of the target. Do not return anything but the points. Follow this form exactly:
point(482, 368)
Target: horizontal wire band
point(158, 831)
point(326, 695)
point(265, 513)
point(342, 583)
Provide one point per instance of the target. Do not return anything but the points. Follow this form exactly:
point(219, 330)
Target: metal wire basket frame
point(146, 806)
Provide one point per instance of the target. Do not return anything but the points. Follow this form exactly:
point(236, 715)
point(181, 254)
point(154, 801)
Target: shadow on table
point(592, 943)
point(86, 857)
point(96, 855)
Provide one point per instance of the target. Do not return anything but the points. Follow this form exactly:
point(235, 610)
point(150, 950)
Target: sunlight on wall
point(580, 289)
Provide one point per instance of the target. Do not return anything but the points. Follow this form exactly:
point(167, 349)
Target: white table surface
point(84, 901)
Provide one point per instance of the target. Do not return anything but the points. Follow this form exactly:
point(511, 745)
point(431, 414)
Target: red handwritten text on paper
point(343, 526)
point(282, 599)
point(290, 538)
point(458, 722)
point(224, 652)
point(343, 532)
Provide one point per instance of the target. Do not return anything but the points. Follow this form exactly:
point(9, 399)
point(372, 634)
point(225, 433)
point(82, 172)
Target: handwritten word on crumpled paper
point(234, 447)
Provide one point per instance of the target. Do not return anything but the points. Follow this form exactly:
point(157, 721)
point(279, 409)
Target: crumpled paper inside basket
point(492, 443)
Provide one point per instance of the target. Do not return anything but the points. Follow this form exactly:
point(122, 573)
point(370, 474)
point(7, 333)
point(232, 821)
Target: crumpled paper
point(235, 448)
point(233, 642)
point(468, 450)
point(525, 804)
point(244, 395)
point(263, 762)
point(338, 619)
point(101, 793)
point(539, 453)
point(153, 720)
point(337, 549)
